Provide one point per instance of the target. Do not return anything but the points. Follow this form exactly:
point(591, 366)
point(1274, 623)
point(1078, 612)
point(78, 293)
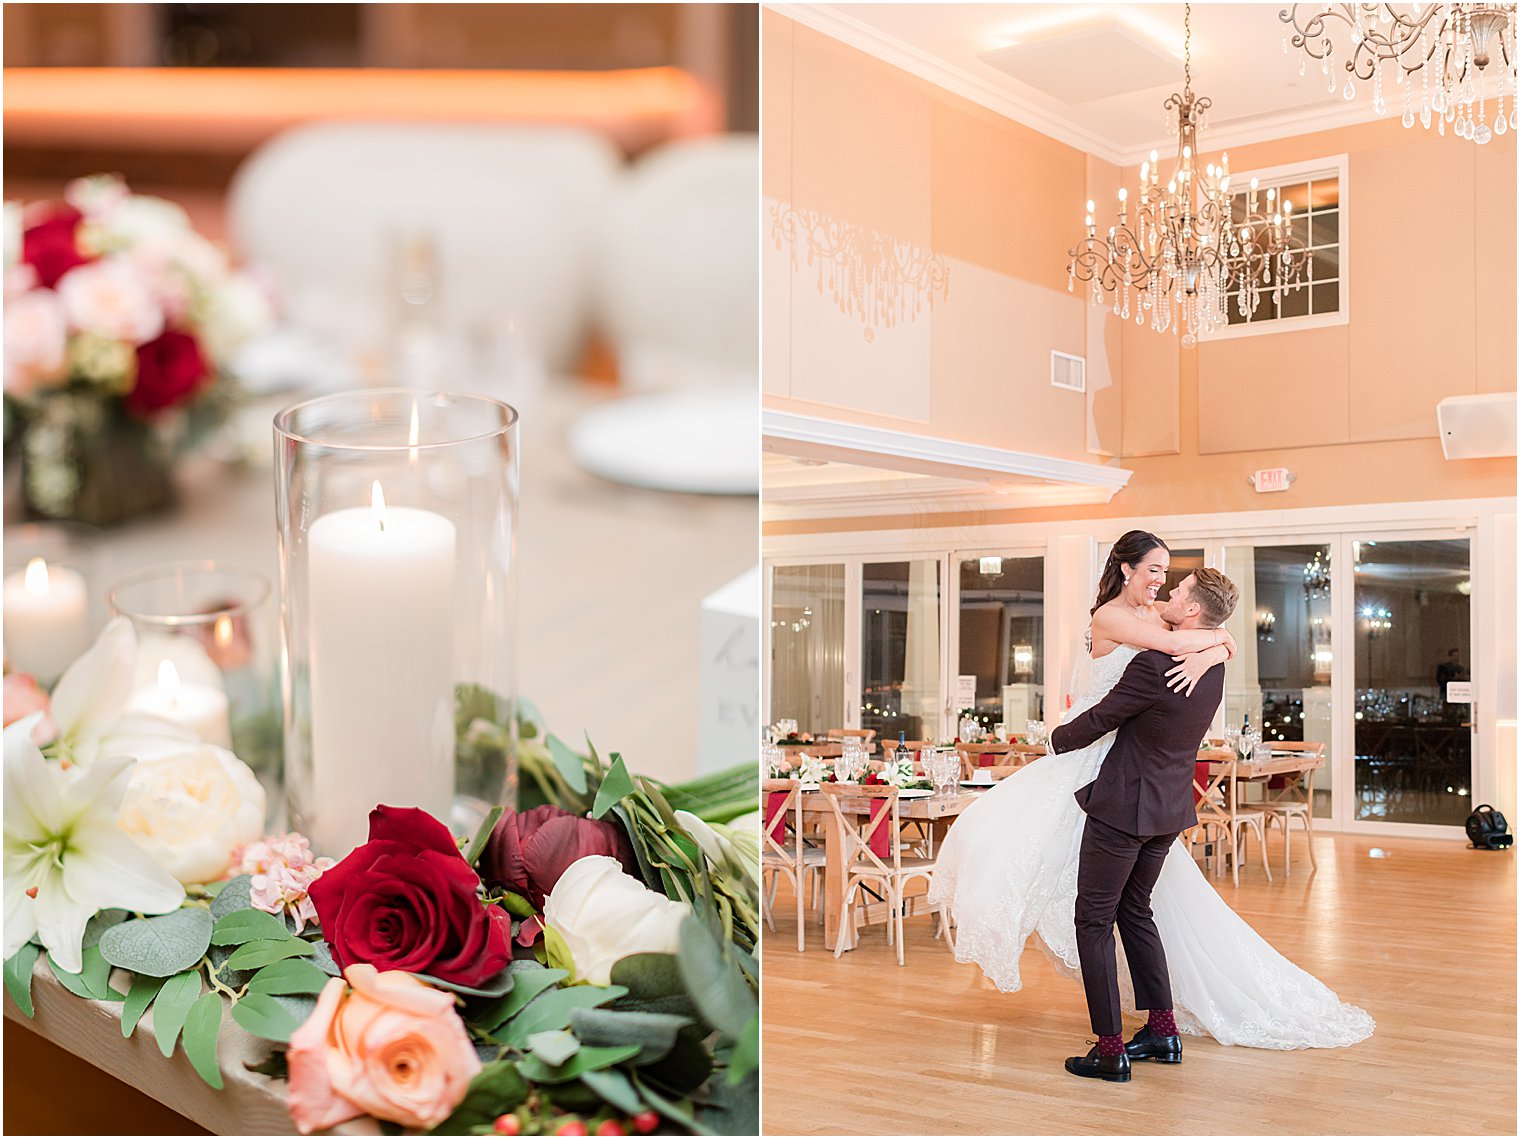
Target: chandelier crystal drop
point(1464, 54)
point(1180, 252)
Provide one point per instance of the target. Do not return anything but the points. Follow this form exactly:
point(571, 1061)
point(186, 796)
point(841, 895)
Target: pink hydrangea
point(283, 870)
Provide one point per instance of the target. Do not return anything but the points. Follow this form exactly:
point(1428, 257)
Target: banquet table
point(611, 581)
point(932, 809)
point(1258, 771)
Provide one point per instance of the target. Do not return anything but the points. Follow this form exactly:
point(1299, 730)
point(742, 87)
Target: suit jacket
point(1145, 786)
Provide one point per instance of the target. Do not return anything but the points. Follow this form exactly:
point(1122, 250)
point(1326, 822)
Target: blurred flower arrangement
point(120, 323)
point(582, 966)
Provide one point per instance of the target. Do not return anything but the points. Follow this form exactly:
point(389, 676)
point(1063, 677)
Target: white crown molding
point(833, 21)
point(808, 437)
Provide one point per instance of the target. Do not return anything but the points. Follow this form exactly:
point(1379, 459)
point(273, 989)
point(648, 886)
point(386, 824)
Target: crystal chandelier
point(1316, 578)
point(1464, 54)
point(1192, 246)
point(874, 277)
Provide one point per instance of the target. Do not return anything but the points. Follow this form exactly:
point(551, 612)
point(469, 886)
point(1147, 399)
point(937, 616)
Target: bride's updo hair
point(1129, 550)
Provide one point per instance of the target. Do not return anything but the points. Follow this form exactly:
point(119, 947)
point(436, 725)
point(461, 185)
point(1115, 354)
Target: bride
point(1008, 867)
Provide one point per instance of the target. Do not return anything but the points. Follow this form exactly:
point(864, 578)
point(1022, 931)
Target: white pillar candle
point(382, 684)
point(200, 707)
point(45, 623)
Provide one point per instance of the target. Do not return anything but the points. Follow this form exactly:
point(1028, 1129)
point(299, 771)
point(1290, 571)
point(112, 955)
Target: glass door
point(807, 636)
point(900, 639)
point(1411, 654)
point(1001, 634)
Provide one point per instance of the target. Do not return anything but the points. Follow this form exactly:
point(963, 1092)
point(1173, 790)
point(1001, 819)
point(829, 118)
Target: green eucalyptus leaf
point(93, 979)
point(212, 889)
point(615, 785)
point(483, 835)
point(235, 894)
point(322, 958)
point(688, 1064)
point(529, 979)
point(553, 1010)
point(18, 976)
point(264, 1016)
point(495, 1090)
point(139, 997)
point(733, 1107)
point(655, 1033)
point(159, 946)
point(176, 996)
point(587, 1059)
point(201, 1027)
point(553, 1047)
point(648, 976)
point(95, 929)
point(242, 926)
point(568, 764)
point(677, 1111)
point(292, 975)
point(257, 954)
point(718, 987)
point(745, 1058)
point(497, 986)
point(615, 1088)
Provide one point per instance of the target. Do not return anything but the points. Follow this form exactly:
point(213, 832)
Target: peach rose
point(393, 1048)
point(36, 342)
point(111, 299)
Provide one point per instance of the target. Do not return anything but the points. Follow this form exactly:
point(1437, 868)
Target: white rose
point(110, 298)
point(236, 310)
point(36, 342)
point(604, 914)
point(190, 810)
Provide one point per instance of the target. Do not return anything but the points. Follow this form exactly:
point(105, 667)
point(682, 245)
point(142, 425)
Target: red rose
point(529, 850)
point(408, 900)
point(169, 370)
point(49, 246)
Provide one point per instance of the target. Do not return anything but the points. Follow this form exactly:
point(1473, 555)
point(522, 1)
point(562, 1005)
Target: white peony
point(36, 342)
point(603, 914)
point(192, 810)
point(110, 298)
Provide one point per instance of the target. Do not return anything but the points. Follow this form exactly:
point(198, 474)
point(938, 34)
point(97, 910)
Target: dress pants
point(1115, 874)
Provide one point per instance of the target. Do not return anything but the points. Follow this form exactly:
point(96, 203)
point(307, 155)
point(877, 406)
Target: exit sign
point(1273, 478)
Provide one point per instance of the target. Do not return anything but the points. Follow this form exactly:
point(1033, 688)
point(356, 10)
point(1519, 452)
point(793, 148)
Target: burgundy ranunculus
point(169, 369)
point(529, 850)
point(48, 246)
point(408, 900)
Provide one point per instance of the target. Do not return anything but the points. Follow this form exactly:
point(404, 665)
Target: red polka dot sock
point(1162, 1023)
point(1110, 1045)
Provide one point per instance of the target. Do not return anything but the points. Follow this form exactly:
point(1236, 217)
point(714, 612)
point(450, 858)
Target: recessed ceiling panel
point(1095, 61)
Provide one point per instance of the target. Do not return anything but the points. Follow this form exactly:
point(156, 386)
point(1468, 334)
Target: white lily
point(723, 846)
point(90, 706)
point(65, 856)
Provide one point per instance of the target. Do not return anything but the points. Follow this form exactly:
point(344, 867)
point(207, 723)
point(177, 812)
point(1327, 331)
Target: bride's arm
point(1122, 627)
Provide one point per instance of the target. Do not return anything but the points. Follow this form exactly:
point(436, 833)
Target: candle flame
point(377, 504)
point(221, 632)
point(37, 577)
point(168, 679)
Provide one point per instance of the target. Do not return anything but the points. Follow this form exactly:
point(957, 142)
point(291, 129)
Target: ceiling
point(1095, 75)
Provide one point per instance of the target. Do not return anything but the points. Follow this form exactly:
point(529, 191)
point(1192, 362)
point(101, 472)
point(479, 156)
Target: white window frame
point(1286, 175)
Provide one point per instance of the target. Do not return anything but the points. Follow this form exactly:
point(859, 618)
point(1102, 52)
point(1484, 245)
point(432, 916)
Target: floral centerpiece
point(583, 965)
point(120, 321)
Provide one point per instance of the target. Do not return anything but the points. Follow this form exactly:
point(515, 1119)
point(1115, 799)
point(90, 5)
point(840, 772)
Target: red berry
point(507, 1125)
point(574, 1127)
point(645, 1122)
point(611, 1127)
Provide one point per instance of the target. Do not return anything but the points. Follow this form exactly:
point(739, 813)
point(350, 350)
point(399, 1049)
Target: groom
point(1141, 800)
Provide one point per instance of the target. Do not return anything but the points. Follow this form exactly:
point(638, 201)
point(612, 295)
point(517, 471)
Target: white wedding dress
point(1008, 870)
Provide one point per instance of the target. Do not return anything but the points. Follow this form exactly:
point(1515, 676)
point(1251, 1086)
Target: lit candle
point(45, 623)
point(199, 707)
point(382, 687)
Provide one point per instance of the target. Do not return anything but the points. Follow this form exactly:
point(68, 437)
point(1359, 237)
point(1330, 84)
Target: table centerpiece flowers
point(585, 964)
point(120, 326)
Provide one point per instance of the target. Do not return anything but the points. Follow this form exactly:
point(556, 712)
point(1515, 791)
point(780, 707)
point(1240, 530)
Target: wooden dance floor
point(1423, 937)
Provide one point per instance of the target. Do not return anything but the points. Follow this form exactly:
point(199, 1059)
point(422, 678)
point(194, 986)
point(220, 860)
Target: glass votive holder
point(52, 605)
point(207, 655)
point(397, 515)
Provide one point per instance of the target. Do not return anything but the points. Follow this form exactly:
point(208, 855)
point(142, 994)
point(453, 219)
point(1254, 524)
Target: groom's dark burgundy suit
point(1140, 801)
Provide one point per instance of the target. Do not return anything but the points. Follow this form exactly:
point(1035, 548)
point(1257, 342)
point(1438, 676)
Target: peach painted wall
point(1350, 409)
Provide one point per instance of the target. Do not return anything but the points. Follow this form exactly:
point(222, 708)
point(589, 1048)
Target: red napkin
point(986, 759)
point(881, 838)
point(773, 803)
point(1201, 777)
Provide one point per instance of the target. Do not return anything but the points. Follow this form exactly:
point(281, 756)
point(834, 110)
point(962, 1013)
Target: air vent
point(1069, 372)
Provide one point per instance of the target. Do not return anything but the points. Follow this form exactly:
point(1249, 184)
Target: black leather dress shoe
point(1115, 1069)
point(1148, 1045)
